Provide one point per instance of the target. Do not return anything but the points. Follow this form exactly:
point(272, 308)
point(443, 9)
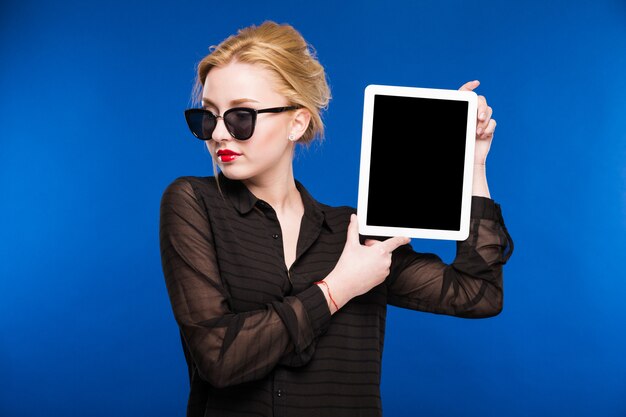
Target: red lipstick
point(226, 155)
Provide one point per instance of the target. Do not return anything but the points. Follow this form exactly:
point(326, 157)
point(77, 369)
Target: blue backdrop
point(92, 131)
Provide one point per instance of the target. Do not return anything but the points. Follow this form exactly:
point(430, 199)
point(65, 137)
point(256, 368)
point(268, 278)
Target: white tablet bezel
point(366, 146)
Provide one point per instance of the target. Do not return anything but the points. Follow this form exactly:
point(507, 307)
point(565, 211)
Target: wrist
point(332, 286)
point(479, 185)
point(332, 304)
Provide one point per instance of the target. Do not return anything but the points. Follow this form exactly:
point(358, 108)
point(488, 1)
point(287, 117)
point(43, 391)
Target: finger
point(353, 230)
point(491, 127)
point(470, 85)
point(482, 108)
point(393, 243)
point(486, 118)
point(371, 242)
point(486, 115)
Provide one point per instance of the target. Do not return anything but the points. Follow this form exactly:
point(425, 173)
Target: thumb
point(470, 86)
point(393, 243)
point(353, 229)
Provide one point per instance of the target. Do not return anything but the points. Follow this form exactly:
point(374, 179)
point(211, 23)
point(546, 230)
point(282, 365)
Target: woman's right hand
point(360, 267)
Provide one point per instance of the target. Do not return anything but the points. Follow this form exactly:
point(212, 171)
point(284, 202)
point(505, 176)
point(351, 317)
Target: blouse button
point(279, 393)
point(275, 235)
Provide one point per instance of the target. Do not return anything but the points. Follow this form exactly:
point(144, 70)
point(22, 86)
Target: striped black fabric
point(259, 339)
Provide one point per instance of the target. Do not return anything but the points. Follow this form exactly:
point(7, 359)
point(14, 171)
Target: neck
point(279, 191)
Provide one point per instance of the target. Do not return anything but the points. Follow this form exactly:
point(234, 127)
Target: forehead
point(238, 80)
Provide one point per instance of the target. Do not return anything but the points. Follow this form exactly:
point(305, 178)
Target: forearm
point(479, 186)
point(234, 348)
point(469, 287)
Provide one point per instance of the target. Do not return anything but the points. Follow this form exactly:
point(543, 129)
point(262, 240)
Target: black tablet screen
point(417, 162)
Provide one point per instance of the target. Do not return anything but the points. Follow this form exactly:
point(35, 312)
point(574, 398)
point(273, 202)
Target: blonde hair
point(283, 51)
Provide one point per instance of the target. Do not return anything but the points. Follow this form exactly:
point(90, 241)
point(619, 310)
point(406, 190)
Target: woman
point(280, 304)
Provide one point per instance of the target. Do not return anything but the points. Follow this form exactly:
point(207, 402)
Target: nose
point(220, 132)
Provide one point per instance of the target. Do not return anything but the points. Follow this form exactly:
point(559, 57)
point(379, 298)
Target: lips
point(226, 155)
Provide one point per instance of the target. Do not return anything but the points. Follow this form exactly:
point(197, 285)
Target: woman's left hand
point(485, 125)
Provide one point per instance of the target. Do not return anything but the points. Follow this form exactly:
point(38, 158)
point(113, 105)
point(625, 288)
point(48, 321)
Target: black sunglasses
point(239, 121)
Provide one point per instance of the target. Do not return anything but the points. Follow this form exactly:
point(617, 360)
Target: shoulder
point(341, 211)
point(187, 188)
point(337, 217)
point(188, 183)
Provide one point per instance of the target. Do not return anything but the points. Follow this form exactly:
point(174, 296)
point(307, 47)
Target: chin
point(235, 173)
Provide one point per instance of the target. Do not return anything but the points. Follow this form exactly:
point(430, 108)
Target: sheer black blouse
point(259, 339)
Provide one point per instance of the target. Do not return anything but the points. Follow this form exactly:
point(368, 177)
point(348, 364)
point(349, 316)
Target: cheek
point(263, 153)
point(272, 144)
point(275, 134)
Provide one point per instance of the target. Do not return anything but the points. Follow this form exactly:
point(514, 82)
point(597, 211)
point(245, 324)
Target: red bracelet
point(329, 294)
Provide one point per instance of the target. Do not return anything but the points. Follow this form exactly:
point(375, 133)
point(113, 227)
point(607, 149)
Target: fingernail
point(482, 116)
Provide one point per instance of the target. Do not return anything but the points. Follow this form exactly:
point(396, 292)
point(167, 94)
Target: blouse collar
point(244, 201)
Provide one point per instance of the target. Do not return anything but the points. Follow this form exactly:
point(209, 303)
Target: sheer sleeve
point(469, 287)
point(227, 348)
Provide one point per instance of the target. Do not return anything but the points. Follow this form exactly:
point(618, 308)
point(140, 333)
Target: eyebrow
point(235, 102)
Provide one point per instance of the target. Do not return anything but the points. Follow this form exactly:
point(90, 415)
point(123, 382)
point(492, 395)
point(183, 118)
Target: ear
point(300, 123)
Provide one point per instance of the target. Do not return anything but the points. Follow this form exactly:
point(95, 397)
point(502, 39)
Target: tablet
point(416, 169)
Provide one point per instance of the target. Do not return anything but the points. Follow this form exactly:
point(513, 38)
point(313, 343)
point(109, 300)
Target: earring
point(292, 137)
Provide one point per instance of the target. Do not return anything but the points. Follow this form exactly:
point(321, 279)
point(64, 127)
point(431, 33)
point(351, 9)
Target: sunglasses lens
point(240, 123)
point(201, 123)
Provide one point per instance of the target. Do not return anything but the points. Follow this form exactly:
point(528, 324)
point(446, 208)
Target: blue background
point(91, 132)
